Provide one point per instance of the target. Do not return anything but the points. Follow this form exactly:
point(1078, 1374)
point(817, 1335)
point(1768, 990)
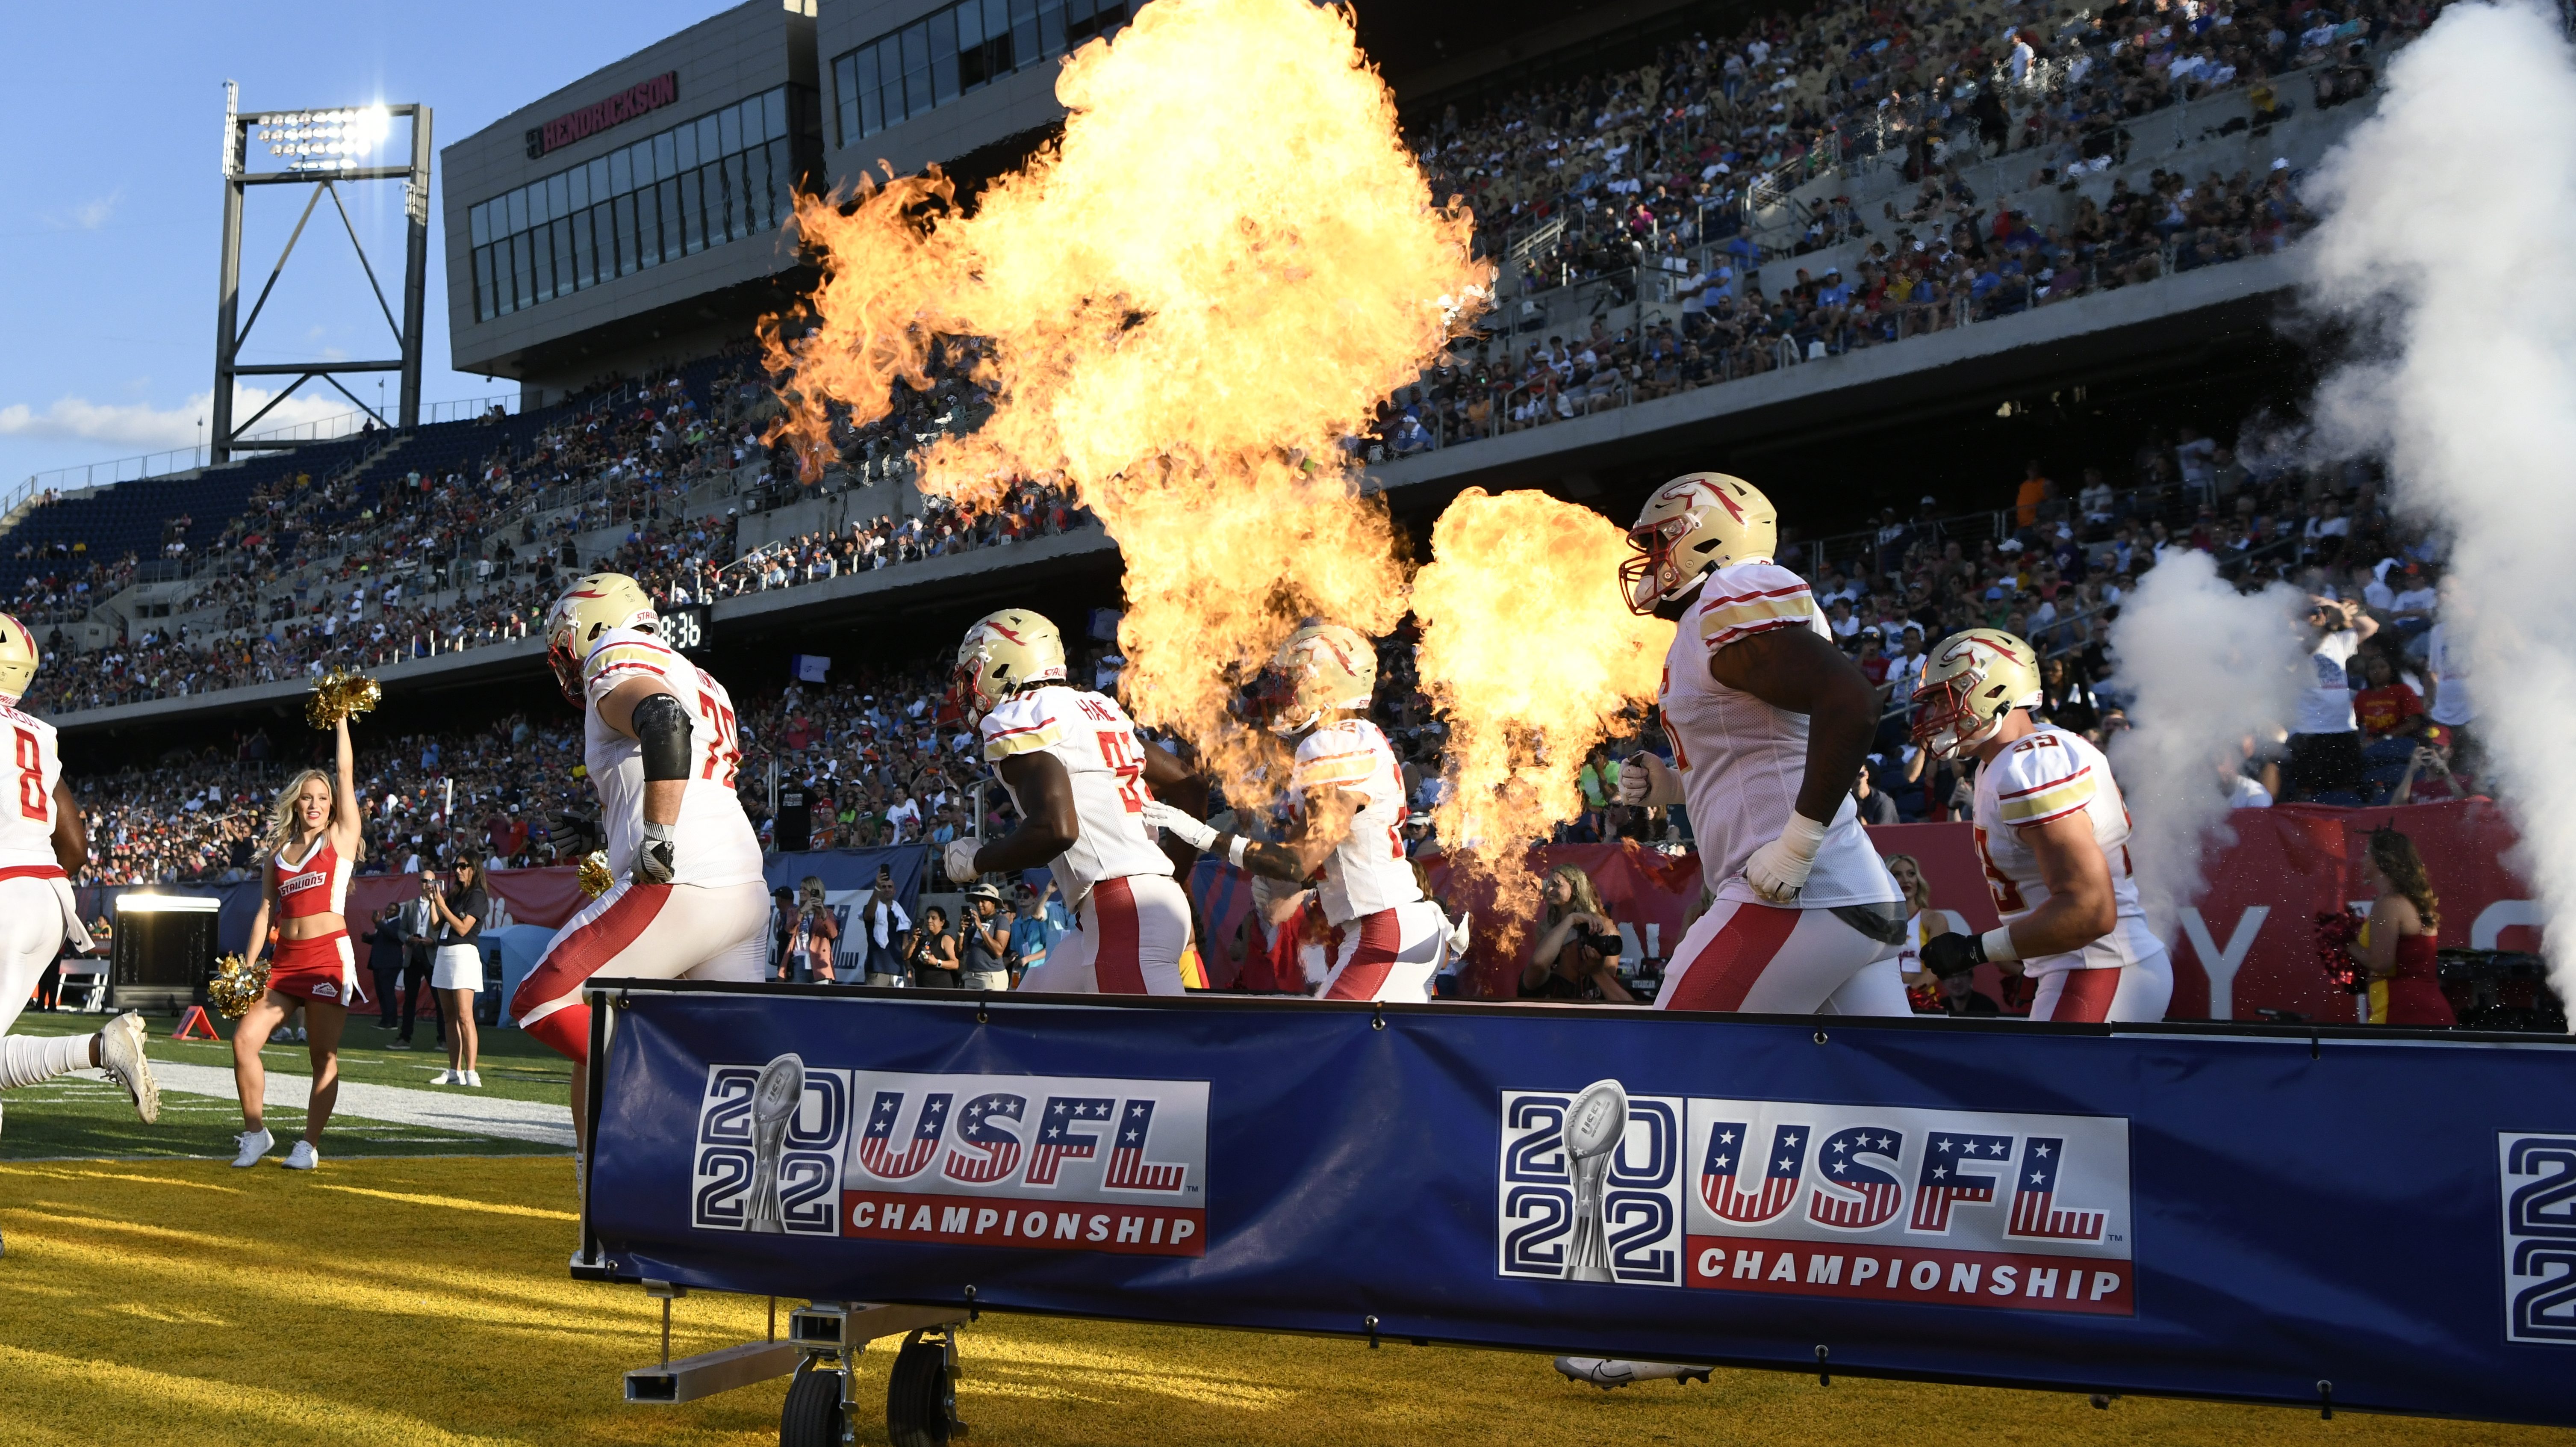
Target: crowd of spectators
point(885, 758)
point(1653, 161)
point(368, 566)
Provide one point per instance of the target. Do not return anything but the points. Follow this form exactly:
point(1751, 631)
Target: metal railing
point(174, 461)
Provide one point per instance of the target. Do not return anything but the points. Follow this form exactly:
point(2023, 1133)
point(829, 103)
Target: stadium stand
point(1641, 220)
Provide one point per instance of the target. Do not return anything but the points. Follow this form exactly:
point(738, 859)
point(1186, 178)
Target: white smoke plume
point(2449, 214)
point(2208, 666)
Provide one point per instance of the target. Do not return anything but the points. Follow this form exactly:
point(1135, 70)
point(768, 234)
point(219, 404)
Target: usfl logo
point(1029, 1162)
point(2539, 1175)
point(1873, 1203)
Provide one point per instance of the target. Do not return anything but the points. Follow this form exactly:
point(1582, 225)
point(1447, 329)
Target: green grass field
point(413, 1291)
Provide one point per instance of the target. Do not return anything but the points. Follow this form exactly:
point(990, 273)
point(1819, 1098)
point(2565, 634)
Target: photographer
point(934, 952)
point(1577, 954)
point(987, 940)
point(812, 936)
point(2325, 751)
point(456, 974)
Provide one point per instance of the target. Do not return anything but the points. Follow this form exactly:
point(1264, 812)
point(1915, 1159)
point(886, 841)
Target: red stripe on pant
point(1117, 961)
point(1725, 969)
point(2085, 998)
point(575, 959)
point(1372, 961)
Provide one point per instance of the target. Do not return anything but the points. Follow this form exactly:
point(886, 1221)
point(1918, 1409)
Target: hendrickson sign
point(590, 120)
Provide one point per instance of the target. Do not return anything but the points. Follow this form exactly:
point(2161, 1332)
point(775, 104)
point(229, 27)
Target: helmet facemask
point(1946, 722)
point(1651, 578)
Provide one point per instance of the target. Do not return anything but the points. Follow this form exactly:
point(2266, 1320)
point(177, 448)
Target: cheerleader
point(306, 858)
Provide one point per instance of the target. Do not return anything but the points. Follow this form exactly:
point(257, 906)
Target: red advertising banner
point(546, 896)
point(2246, 946)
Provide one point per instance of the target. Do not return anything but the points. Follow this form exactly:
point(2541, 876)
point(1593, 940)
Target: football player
point(661, 747)
point(1081, 779)
point(42, 844)
point(1348, 792)
point(2053, 834)
point(1769, 724)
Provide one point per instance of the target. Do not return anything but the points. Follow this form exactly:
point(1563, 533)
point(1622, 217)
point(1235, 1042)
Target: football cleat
point(120, 1054)
point(303, 1157)
point(254, 1144)
point(1609, 1372)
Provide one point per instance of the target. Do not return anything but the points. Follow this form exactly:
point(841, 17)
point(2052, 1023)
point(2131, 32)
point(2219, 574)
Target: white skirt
point(457, 967)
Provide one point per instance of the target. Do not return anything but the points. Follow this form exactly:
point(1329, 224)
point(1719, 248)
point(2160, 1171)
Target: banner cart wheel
point(812, 1416)
point(921, 1395)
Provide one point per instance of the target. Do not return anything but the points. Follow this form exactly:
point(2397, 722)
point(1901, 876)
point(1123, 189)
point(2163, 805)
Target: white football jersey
point(2048, 775)
point(1092, 737)
point(714, 843)
point(1742, 760)
point(27, 816)
point(1366, 872)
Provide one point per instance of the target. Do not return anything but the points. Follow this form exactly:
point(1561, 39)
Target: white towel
point(72, 927)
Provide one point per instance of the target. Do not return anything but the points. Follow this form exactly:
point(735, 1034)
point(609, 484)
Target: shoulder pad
point(2042, 777)
point(1738, 602)
point(1337, 754)
point(1023, 723)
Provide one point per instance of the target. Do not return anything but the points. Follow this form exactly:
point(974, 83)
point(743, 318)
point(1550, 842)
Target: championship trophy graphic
point(1594, 1126)
point(774, 1098)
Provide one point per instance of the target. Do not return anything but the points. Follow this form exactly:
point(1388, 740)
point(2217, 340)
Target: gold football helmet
point(19, 659)
point(587, 609)
point(1970, 681)
point(1697, 521)
point(1003, 653)
point(1322, 667)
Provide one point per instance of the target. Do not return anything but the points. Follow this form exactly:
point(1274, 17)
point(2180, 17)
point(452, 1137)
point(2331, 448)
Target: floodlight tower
point(322, 148)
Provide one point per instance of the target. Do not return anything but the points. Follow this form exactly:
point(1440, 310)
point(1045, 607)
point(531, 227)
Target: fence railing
point(172, 461)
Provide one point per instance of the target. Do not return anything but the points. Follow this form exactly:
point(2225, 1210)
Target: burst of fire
point(1182, 309)
point(1532, 655)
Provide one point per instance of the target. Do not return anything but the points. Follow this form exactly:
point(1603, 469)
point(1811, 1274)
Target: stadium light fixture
point(325, 150)
point(330, 140)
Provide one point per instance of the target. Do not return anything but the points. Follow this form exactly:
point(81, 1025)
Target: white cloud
point(88, 215)
point(142, 427)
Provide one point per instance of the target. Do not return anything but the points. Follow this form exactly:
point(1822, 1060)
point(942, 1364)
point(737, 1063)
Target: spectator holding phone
point(813, 936)
point(1577, 954)
point(2325, 752)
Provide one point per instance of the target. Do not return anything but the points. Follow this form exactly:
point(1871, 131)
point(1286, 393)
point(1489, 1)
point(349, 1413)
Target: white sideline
point(466, 1111)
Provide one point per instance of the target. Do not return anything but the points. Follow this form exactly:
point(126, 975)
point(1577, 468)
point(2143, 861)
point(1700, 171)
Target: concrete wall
point(737, 53)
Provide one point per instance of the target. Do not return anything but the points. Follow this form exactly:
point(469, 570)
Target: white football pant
point(2131, 993)
point(1768, 960)
point(1127, 939)
point(1389, 955)
point(642, 931)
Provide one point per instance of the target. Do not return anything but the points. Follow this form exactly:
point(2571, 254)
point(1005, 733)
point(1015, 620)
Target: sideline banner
point(2222, 1212)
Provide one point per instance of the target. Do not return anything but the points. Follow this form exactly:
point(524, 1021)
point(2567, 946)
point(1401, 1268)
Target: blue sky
point(110, 239)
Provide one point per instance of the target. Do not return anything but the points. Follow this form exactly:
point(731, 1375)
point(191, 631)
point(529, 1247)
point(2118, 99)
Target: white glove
point(1159, 815)
point(960, 860)
point(1647, 782)
point(1778, 870)
point(657, 861)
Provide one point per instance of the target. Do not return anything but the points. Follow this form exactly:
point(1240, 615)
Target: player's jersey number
point(724, 745)
point(2007, 894)
point(33, 806)
point(1118, 751)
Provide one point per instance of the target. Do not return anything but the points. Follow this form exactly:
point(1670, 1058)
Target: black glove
point(1953, 953)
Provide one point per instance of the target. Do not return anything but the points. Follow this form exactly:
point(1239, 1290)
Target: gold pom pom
point(340, 694)
point(237, 985)
point(594, 878)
